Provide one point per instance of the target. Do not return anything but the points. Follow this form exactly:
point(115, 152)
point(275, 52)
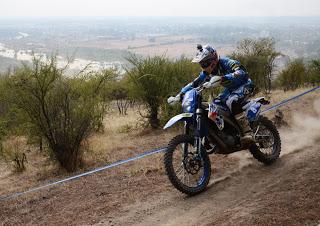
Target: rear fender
point(253, 108)
point(177, 118)
point(262, 100)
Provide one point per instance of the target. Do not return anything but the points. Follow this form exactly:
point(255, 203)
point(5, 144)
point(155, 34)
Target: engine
point(229, 140)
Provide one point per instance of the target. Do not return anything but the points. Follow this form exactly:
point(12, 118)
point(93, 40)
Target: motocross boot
point(247, 137)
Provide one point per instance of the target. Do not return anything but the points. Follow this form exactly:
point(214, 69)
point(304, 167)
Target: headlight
point(188, 102)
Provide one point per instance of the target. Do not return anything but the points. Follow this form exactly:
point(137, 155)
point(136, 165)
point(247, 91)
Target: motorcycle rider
point(232, 76)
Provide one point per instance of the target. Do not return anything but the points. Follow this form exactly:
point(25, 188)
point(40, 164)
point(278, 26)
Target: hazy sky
point(35, 8)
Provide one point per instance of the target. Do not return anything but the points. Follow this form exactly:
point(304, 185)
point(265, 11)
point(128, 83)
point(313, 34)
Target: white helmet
point(205, 56)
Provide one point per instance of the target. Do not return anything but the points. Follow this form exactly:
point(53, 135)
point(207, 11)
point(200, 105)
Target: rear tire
point(180, 184)
point(266, 158)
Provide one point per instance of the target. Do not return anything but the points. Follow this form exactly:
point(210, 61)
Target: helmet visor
point(206, 63)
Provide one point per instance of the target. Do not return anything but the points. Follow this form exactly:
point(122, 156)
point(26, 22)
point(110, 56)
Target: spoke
point(268, 147)
point(262, 135)
point(181, 168)
point(190, 180)
point(198, 180)
point(256, 131)
point(265, 139)
point(193, 180)
point(182, 148)
point(188, 177)
point(183, 176)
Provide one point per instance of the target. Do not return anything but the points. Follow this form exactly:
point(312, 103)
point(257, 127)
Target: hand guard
point(173, 100)
point(214, 82)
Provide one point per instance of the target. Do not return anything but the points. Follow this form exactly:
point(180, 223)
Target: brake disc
point(192, 163)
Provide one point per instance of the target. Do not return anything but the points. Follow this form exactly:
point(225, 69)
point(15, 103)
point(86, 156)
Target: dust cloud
point(304, 131)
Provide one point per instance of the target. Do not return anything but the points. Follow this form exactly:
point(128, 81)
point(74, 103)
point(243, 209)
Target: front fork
point(198, 132)
point(197, 137)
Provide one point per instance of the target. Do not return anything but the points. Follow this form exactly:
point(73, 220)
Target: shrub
point(63, 110)
point(293, 76)
point(153, 79)
point(314, 72)
point(258, 57)
point(118, 91)
point(13, 151)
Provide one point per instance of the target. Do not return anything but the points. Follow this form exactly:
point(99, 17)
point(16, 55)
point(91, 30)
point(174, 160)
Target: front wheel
point(268, 143)
point(187, 171)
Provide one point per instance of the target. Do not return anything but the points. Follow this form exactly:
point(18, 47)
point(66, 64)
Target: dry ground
point(172, 46)
point(242, 191)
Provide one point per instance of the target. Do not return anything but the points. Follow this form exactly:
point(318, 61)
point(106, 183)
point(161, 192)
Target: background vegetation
point(153, 79)
point(40, 105)
point(64, 111)
point(258, 56)
point(298, 74)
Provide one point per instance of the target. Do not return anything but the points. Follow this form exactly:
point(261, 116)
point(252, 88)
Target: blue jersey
point(233, 75)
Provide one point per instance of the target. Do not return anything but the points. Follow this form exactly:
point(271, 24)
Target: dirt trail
point(242, 191)
point(286, 193)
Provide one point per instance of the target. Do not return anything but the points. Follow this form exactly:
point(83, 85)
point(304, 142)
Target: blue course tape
point(145, 154)
point(290, 99)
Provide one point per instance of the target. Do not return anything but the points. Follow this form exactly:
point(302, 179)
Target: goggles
point(207, 63)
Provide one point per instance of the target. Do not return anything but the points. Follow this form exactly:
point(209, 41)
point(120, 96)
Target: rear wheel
point(187, 171)
point(268, 143)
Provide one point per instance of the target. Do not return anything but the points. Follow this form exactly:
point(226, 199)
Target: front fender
point(177, 118)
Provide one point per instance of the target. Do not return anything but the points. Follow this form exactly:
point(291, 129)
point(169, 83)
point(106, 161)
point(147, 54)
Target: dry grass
point(101, 145)
point(107, 146)
point(303, 103)
point(279, 95)
point(106, 192)
point(122, 139)
point(116, 143)
point(14, 152)
point(38, 168)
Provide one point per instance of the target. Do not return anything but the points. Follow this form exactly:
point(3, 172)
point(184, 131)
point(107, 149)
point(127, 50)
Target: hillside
point(242, 191)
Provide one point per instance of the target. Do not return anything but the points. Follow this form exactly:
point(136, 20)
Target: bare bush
point(13, 151)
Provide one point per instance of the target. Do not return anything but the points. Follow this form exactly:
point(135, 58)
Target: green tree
point(118, 91)
point(314, 72)
point(293, 76)
point(150, 83)
point(182, 71)
point(63, 110)
point(153, 79)
point(258, 57)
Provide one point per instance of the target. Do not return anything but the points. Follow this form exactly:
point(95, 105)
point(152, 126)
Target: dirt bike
point(186, 159)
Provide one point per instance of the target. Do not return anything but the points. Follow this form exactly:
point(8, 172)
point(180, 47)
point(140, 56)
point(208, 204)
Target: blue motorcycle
point(186, 160)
